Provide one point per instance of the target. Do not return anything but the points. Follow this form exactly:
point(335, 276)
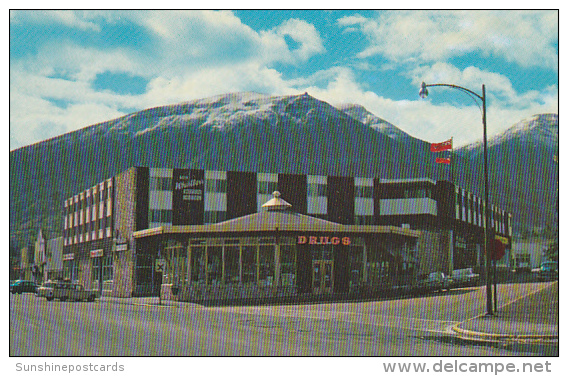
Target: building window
point(364, 191)
point(267, 187)
point(215, 185)
point(232, 261)
point(160, 216)
point(177, 266)
point(198, 264)
point(214, 265)
point(266, 265)
point(214, 216)
point(95, 268)
point(356, 266)
point(70, 270)
point(288, 265)
point(158, 183)
point(418, 193)
point(378, 267)
point(249, 264)
point(317, 190)
point(108, 270)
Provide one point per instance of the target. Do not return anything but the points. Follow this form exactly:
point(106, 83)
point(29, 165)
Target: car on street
point(435, 281)
point(548, 271)
point(66, 291)
point(21, 286)
point(464, 278)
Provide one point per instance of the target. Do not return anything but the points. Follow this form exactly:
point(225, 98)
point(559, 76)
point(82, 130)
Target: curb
point(492, 337)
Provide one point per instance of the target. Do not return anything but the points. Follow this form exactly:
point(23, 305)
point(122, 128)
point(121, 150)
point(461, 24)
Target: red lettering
point(302, 240)
point(346, 240)
point(335, 240)
point(313, 240)
point(324, 240)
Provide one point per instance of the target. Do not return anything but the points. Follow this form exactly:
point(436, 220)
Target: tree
point(551, 252)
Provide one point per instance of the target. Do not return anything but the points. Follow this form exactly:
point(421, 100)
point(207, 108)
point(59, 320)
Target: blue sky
point(71, 69)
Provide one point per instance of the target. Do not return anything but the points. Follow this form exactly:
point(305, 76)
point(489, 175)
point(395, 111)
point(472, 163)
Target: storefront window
point(70, 270)
point(378, 267)
point(198, 264)
point(232, 265)
point(266, 265)
point(322, 252)
point(177, 266)
point(107, 268)
point(288, 265)
point(356, 265)
point(95, 269)
point(249, 264)
point(214, 265)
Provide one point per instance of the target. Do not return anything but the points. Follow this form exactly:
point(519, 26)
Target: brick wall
point(125, 223)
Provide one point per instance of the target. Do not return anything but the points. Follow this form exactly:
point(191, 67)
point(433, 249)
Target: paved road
point(403, 327)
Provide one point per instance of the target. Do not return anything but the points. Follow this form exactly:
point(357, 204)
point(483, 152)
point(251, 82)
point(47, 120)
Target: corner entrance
point(322, 276)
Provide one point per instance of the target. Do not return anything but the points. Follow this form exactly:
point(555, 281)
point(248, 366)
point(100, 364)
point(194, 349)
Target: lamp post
point(423, 94)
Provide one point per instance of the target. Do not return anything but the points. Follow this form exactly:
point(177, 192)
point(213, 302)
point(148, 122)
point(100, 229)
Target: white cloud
point(433, 123)
point(69, 19)
point(33, 119)
point(194, 54)
point(499, 88)
point(303, 33)
point(524, 37)
point(200, 54)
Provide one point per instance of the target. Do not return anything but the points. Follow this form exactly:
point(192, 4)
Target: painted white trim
point(215, 201)
point(364, 182)
point(317, 205)
point(264, 176)
point(161, 172)
point(364, 206)
point(316, 179)
point(215, 175)
point(406, 206)
point(160, 200)
point(419, 180)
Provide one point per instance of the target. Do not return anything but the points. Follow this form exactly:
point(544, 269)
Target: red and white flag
point(446, 145)
point(443, 160)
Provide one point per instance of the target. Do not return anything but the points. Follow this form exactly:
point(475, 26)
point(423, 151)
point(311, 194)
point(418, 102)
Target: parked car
point(66, 290)
point(548, 271)
point(464, 278)
point(21, 286)
point(435, 281)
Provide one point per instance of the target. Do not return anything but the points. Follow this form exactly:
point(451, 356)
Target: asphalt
point(533, 317)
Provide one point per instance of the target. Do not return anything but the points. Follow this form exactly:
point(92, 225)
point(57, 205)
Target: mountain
point(241, 132)
point(523, 170)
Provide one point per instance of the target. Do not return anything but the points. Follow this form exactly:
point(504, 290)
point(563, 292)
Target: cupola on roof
point(276, 203)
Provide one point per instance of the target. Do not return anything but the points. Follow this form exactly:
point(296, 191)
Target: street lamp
point(423, 94)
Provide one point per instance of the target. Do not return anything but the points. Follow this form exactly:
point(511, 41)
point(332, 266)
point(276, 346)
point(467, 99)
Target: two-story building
point(208, 232)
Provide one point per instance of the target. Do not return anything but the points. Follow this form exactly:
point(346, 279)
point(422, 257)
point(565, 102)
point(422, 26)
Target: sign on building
point(187, 200)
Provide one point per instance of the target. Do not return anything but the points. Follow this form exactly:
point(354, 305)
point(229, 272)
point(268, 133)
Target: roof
point(277, 217)
point(275, 221)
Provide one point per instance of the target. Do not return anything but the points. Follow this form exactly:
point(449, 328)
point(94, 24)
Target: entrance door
point(322, 276)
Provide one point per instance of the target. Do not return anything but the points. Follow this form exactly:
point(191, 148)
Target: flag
point(446, 145)
point(443, 160)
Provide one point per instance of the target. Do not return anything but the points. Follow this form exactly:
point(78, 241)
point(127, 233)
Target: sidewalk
point(530, 318)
